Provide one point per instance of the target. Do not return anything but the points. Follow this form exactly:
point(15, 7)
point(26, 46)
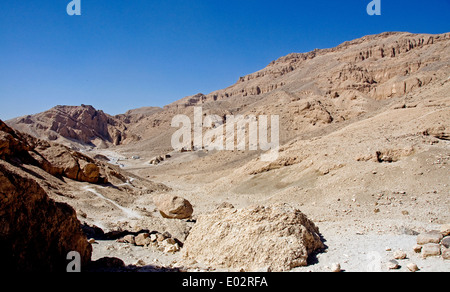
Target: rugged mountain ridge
point(356, 64)
point(18, 148)
point(78, 126)
point(308, 90)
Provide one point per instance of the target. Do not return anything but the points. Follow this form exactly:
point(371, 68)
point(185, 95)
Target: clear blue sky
point(124, 54)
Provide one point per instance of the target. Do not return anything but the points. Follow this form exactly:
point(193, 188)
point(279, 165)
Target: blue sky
point(124, 54)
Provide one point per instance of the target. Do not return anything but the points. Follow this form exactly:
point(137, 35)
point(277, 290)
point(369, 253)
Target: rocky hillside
point(311, 91)
point(44, 187)
point(37, 233)
point(57, 160)
point(79, 126)
point(379, 66)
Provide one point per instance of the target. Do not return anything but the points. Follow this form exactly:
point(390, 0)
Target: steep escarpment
point(380, 66)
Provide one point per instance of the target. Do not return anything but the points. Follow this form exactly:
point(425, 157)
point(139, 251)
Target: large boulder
point(173, 207)
point(274, 238)
point(36, 233)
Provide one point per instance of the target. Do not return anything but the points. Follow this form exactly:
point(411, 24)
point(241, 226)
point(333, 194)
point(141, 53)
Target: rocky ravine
point(364, 154)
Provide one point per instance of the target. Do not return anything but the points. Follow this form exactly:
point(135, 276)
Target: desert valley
point(361, 181)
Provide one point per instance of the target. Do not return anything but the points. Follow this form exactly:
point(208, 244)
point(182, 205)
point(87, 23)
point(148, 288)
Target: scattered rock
point(390, 155)
point(173, 207)
point(393, 265)
point(335, 268)
point(162, 242)
point(408, 231)
point(446, 254)
point(169, 240)
point(445, 230)
point(158, 159)
point(441, 132)
point(129, 239)
point(412, 267)
point(431, 249)
point(140, 263)
point(225, 205)
point(400, 255)
point(417, 248)
point(446, 242)
point(142, 239)
point(429, 237)
point(433, 243)
point(160, 237)
point(170, 246)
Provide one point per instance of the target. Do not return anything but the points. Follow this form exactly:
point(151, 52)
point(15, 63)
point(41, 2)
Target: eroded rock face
point(79, 124)
point(36, 233)
point(381, 66)
point(276, 238)
point(441, 132)
point(58, 160)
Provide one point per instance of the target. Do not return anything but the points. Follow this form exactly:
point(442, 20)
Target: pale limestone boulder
point(173, 207)
point(278, 237)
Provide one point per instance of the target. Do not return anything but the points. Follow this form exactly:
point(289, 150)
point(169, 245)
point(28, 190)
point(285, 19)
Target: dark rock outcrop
point(36, 233)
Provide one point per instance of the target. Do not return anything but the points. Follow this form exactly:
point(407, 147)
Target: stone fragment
point(445, 229)
point(142, 239)
point(446, 242)
point(429, 237)
point(393, 265)
point(412, 267)
point(446, 254)
point(129, 239)
point(431, 249)
point(400, 255)
point(417, 248)
point(336, 268)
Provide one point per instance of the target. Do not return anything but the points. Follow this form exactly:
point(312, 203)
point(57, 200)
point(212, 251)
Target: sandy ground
point(370, 185)
point(355, 236)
